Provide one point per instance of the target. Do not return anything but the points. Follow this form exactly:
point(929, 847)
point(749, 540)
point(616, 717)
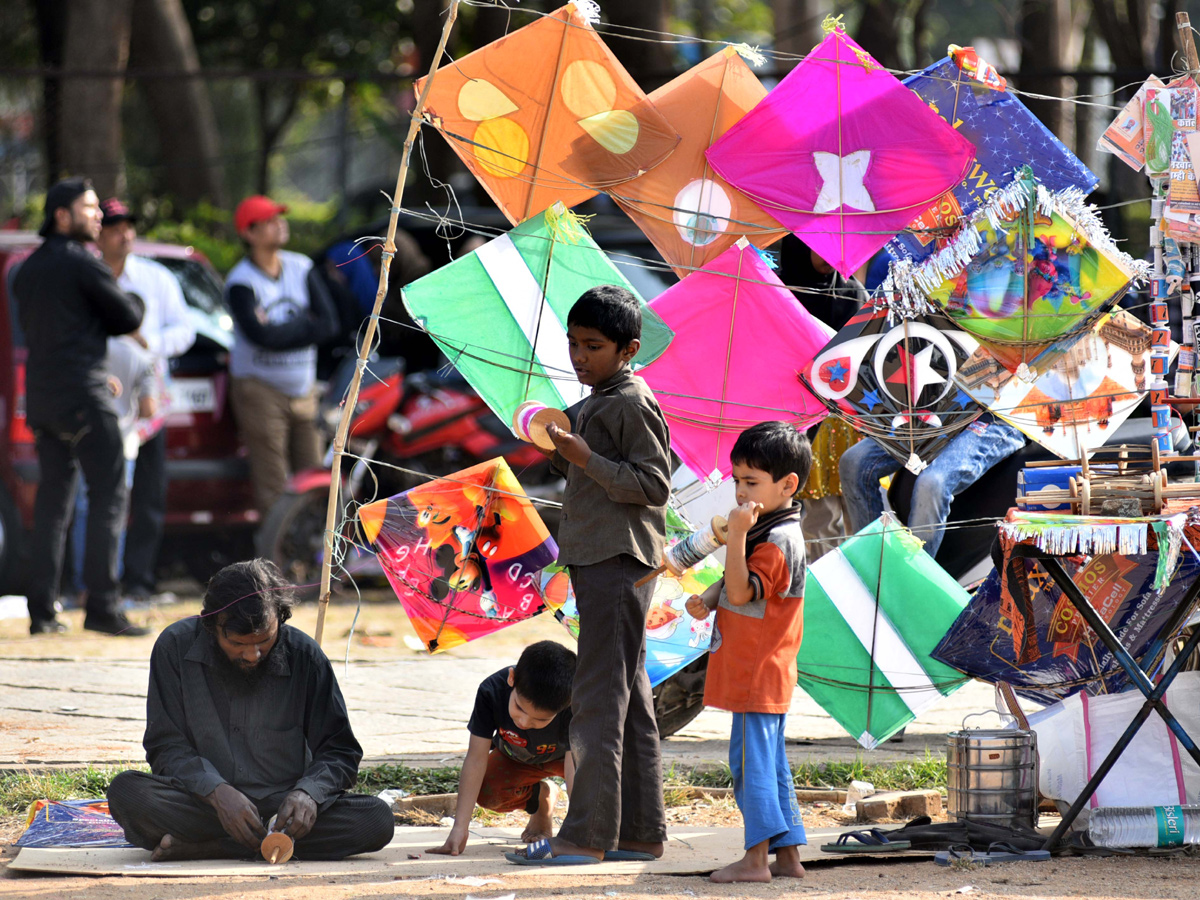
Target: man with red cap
point(281, 310)
point(166, 332)
point(69, 305)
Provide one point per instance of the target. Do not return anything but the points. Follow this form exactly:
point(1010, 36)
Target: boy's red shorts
point(508, 784)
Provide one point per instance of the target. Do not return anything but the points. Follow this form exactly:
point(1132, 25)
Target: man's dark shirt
point(207, 725)
point(69, 305)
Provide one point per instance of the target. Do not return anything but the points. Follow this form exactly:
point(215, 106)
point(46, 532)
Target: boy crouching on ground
point(760, 621)
point(519, 738)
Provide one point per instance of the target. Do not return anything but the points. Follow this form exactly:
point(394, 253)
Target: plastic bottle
point(858, 791)
point(1144, 826)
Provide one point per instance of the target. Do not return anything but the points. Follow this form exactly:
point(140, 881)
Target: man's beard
point(80, 231)
point(271, 664)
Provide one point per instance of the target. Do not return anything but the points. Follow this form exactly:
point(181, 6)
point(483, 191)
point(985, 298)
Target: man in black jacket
point(245, 725)
point(69, 305)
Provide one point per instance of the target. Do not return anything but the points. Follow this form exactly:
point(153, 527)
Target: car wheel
point(12, 539)
point(680, 698)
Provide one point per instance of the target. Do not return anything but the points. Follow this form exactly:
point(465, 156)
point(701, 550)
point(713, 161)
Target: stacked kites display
point(741, 338)
point(1000, 298)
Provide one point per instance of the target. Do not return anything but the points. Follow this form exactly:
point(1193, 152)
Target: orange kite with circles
point(547, 114)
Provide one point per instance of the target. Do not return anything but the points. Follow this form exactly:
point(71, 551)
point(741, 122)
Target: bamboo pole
point(1183, 22)
point(389, 250)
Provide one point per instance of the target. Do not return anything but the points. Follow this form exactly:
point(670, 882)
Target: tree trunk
point(181, 107)
point(877, 32)
point(1045, 47)
point(97, 39)
point(271, 127)
point(643, 54)
point(798, 27)
point(52, 34)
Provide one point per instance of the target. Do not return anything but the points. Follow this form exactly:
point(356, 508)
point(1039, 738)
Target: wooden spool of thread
point(692, 550)
point(530, 423)
point(277, 847)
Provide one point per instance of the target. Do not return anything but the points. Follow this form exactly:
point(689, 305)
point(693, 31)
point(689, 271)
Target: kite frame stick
point(364, 348)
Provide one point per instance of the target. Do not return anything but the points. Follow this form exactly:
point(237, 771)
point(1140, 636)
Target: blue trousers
point(762, 781)
point(960, 464)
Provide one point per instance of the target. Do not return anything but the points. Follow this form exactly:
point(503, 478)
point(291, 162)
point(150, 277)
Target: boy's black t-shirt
point(490, 719)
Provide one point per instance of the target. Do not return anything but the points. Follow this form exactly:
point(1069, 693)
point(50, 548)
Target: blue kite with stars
point(895, 381)
point(1006, 136)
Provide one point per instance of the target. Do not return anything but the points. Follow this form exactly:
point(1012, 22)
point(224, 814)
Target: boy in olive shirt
point(612, 533)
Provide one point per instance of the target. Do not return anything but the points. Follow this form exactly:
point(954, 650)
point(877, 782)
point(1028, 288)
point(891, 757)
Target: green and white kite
point(874, 609)
point(500, 313)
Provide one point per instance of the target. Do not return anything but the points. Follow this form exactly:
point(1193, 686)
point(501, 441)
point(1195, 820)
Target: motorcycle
point(405, 429)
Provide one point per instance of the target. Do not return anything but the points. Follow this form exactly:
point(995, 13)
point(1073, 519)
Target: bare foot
point(787, 863)
point(173, 848)
point(654, 848)
point(745, 869)
point(541, 823)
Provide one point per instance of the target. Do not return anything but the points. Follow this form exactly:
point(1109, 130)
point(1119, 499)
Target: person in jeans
point(69, 305)
point(166, 332)
point(281, 310)
point(974, 450)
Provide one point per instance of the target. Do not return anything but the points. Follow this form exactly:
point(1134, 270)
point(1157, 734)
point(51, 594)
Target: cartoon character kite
point(742, 339)
point(1030, 269)
point(1081, 400)
point(547, 114)
point(463, 553)
point(690, 213)
point(842, 154)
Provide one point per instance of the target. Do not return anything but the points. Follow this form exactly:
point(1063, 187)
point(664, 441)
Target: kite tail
point(752, 55)
point(566, 226)
point(588, 10)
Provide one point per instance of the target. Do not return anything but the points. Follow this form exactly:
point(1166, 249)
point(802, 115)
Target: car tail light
point(19, 432)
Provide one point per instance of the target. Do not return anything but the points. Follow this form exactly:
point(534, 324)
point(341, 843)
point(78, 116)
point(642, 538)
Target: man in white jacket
point(166, 332)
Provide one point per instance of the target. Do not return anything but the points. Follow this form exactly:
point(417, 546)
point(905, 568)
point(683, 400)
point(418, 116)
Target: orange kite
point(690, 213)
point(547, 114)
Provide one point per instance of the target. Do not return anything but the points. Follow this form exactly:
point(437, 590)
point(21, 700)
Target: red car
point(210, 511)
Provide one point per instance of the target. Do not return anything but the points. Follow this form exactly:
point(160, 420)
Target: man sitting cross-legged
point(244, 721)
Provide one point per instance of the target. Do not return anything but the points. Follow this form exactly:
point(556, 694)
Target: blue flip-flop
point(870, 841)
point(628, 856)
point(998, 852)
point(539, 854)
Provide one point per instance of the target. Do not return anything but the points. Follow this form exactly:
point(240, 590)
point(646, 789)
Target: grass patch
point(929, 772)
point(19, 789)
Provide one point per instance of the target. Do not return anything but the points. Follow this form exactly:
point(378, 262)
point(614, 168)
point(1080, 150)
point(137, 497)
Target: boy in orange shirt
point(760, 621)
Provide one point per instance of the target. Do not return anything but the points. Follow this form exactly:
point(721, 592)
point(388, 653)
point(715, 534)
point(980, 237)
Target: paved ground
point(80, 698)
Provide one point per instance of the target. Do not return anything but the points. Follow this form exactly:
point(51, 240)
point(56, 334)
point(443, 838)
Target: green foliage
point(19, 789)
point(210, 230)
point(374, 779)
point(929, 772)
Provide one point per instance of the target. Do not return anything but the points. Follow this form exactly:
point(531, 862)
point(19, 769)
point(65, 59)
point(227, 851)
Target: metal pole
point(364, 349)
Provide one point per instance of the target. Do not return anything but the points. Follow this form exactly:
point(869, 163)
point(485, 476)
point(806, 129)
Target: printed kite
point(500, 313)
point(691, 214)
point(463, 553)
point(874, 609)
point(742, 340)
point(894, 380)
point(1006, 136)
point(1081, 400)
point(674, 640)
point(842, 154)
point(1054, 654)
point(1030, 269)
point(547, 114)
